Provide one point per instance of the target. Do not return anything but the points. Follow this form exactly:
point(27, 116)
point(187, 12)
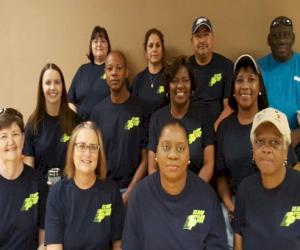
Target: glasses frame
point(87, 147)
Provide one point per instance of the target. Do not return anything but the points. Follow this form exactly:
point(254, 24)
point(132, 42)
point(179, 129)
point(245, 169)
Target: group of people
point(196, 121)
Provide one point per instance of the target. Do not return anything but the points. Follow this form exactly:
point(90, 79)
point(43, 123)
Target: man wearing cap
point(213, 72)
point(281, 73)
point(267, 214)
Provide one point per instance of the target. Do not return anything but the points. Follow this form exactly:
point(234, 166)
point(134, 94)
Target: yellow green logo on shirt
point(215, 79)
point(291, 216)
point(133, 122)
point(104, 211)
point(30, 201)
point(197, 217)
point(103, 76)
point(161, 89)
point(65, 138)
point(195, 135)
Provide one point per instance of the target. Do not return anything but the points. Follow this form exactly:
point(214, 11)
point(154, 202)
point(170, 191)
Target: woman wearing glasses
point(267, 211)
point(49, 127)
point(84, 210)
point(180, 84)
point(23, 192)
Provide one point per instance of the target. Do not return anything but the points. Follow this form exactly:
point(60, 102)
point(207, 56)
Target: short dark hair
point(98, 31)
point(156, 32)
point(10, 115)
point(172, 69)
point(119, 53)
point(262, 99)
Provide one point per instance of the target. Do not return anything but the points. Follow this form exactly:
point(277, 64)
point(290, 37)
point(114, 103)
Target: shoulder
point(85, 66)
point(250, 183)
point(227, 122)
point(140, 75)
point(107, 185)
point(220, 59)
point(293, 176)
point(145, 186)
point(263, 60)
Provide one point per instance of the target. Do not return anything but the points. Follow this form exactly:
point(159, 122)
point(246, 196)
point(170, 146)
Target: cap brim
point(199, 25)
point(245, 60)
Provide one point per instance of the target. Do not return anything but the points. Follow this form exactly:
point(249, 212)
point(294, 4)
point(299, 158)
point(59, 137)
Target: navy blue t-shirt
point(269, 218)
point(124, 137)
point(199, 128)
point(234, 151)
point(150, 89)
point(160, 221)
point(48, 146)
point(88, 88)
point(84, 219)
point(213, 82)
point(22, 209)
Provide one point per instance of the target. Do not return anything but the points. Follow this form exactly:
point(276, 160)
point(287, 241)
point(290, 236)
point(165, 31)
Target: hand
point(125, 197)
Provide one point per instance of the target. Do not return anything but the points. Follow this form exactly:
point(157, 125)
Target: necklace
point(152, 79)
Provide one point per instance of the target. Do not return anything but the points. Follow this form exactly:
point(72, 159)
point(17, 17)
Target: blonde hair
point(101, 168)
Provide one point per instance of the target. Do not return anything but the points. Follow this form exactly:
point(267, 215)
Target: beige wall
point(34, 32)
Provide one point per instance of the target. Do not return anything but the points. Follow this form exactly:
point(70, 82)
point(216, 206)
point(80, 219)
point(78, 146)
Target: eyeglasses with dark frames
point(10, 111)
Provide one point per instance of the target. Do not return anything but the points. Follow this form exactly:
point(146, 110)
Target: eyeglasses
point(10, 111)
point(82, 147)
point(283, 20)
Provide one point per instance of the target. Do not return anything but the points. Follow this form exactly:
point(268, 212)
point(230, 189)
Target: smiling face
point(11, 143)
point(85, 160)
point(52, 87)
point(246, 88)
point(154, 49)
point(202, 42)
point(269, 150)
point(281, 40)
point(99, 47)
point(173, 153)
point(180, 87)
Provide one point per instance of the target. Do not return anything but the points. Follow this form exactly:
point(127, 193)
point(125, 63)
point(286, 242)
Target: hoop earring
point(285, 163)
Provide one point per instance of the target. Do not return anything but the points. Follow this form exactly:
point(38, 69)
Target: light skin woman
point(51, 100)
point(12, 170)
point(85, 166)
point(180, 90)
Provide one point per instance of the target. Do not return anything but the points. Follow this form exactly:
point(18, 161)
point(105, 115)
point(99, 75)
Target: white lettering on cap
point(201, 20)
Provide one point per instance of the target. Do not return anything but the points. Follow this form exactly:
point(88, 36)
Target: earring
point(285, 163)
point(233, 95)
point(189, 162)
point(253, 161)
point(155, 159)
point(259, 93)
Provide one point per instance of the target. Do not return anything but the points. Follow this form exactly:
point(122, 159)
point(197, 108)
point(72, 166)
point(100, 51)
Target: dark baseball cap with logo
point(199, 22)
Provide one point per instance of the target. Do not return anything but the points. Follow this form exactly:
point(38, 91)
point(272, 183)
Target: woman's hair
point(67, 117)
point(8, 116)
point(101, 33)
point(172, 69)
point(262, 99)
point(156, 32)
point(176, 123)
point(100, 170)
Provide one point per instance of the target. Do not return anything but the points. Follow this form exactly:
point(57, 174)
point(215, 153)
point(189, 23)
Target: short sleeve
point(28, 149)
point(153, 134)
point(54, 222)
point(131, 236)
point(118, 215)
point(228, 79)
point(239, 213)
point(72, 97)
point(43, 193)
point(220, 161)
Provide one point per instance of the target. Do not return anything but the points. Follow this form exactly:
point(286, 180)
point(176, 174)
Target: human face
point(246, 88)
point(86, 161)
point(154, 49)
point(180, 87)
point(281, 40)
point(99, 47)
point(52, 87)
point(269, 150)
point(202, 42)
point(172, 153)
point(11, 143)
point(116, 72)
